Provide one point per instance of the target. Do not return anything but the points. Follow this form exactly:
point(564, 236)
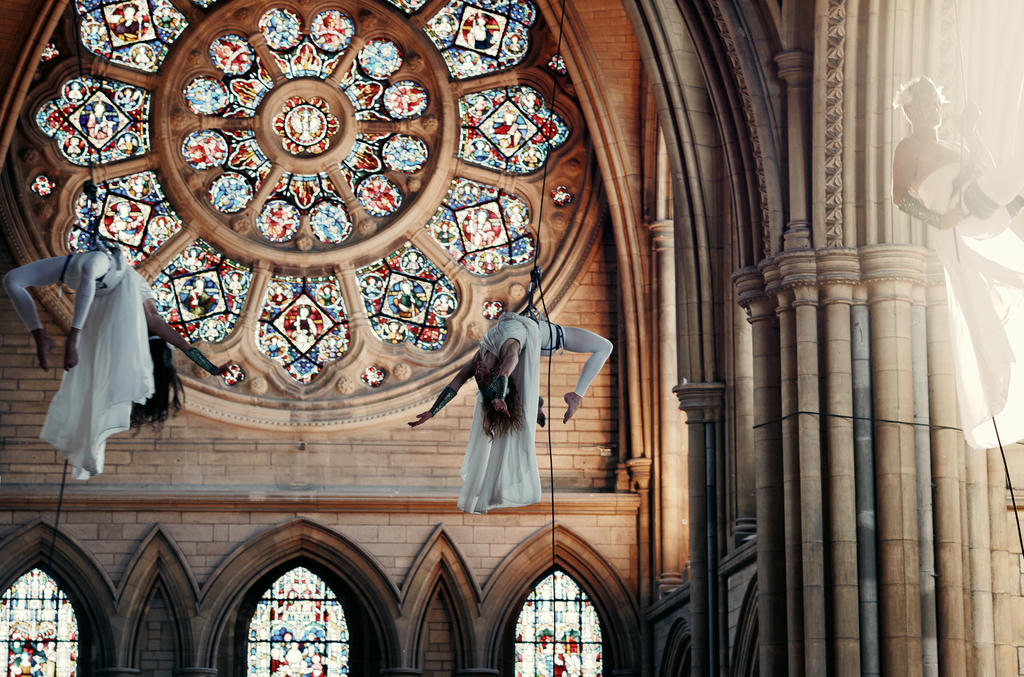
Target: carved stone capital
point(893, 262)
point(702, 402)
point(639, 474)
point(663, 234)
point(796, 66)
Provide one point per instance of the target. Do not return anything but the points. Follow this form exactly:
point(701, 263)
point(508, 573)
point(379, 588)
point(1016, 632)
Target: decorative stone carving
point(346, 386)
point(258, 385)
point(304, 243)
point(835, 58)
point(474, 331)
point(401, 371)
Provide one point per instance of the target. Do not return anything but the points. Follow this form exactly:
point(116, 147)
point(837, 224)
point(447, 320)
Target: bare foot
point(44, 344)
point(573, 401)
point(71, 349)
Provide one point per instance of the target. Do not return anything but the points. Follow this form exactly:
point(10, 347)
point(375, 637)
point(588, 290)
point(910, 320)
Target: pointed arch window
point(557, 631)
point(298, 628)
point(38, 627)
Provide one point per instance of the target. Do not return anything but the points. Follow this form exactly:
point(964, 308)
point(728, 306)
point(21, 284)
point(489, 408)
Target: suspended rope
point(537, 286)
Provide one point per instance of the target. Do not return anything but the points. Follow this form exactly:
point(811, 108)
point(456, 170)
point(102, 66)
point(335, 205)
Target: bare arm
point(448, 393)
point(508, 357)
point(157, 327)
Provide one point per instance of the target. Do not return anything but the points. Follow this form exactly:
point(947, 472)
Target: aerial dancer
point(974, 211)
point(118, 368)
point(500, 467)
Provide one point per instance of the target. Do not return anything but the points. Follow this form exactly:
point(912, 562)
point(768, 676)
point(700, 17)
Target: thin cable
point(930, 426)
point(56, 519)
point(1009, 485)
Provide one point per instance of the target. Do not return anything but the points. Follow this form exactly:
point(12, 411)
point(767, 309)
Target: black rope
point(1009, 485)
point(930, 426)
point(56, 519)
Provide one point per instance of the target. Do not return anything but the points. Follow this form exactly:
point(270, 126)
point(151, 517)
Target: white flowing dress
point(984, 264)
point(114, 369)
point(502, 473)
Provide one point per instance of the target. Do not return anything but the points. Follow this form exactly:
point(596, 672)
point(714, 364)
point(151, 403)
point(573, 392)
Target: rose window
point(324, 195)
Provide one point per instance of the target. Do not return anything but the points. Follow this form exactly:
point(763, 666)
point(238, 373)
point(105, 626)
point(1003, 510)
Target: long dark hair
point(168, 392)
point(496, 422)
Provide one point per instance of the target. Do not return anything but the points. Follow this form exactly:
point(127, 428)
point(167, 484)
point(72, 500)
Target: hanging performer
point(114, 377)
point(973, 208)
point(500, 468)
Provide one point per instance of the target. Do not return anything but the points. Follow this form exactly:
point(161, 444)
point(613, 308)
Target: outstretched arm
point(448, 393)
point(158, 327)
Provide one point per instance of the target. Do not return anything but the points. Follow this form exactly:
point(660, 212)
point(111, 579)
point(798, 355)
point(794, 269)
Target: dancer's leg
point(17, 282)
point(582, 341)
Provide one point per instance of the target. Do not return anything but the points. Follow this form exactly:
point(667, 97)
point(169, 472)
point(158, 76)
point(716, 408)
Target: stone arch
point(440, 568)
point(744, 661)
point(157, 562)
point(77, 573)
point(676, 661)
point(519, 571)
point(304, 539)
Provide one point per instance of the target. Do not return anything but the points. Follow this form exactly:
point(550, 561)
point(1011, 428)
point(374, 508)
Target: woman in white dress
point(115, 377)
point(973, 208)
point(500, 467)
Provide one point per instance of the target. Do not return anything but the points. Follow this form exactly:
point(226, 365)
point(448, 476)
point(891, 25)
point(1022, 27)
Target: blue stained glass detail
point(510, 129)
point(303, 324)
point(407, 298)
point(281, 28)
point(379, 58)
point(97, 121)
point(206, 96)
point(330, 222)
point(132, 33)
point(405, 153)
point(484, 228)
point(482, 36)
point(332, 30)
point(558, 631)
point(231, 54)
point(378, 195)
point(133, 212)
point(315, 56)
point(298, 628)
point(201, 293)
point(230, 193)
point(38, 628)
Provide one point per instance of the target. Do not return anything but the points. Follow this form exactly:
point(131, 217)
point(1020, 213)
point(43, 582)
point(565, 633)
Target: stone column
point(671, 445)
point(839, 271)
point(946, 459)
point(702, 403)
point(640, 483)
point(771, 544)
point(891, 272)
point(796, 66)
point(195, 672)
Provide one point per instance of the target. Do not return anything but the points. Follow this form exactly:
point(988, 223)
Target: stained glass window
point(556, 64)
point(201, 293)
point(303, 324)
point(373, 376)
point(299, 628)
point(133, 33)
point(50, 51)
point(313, 56)
point(408, 6)
point(96, 121)
point(378, 101)
point(558, 632)
point(561, 196)
point(509, 129)
point(492, 310)
point(244, 84)
point(306, 125)
point(234, 375)
point(132, 210)
point(298, 194)
point(42, 185)
point(482, 36)
point(408, 298)
point(483, 227)
point(38, 628)
point(248, 166)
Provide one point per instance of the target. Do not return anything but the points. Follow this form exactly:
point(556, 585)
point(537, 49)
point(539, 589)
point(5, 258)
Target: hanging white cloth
point(984, 264)
point(114, 369)
point(502, 472)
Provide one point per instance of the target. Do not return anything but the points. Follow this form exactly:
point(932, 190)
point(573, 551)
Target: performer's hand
point(222, 368)
point(573, 401)
point(421, 419)
point(951, 219)
point(499, 405)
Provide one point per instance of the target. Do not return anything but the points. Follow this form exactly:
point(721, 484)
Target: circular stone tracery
point(306, 125)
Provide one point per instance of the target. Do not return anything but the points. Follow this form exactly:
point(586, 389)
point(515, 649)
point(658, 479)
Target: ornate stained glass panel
point(298, 628)
point(313, 56)
point(561, 196)
point(558, 631)
point(482, 36)
point(42, 185)
point(132, 33)
point(305, 191)
point(234, 375)
point(373, 376)
point(246, 157)
point(408, 298)
point(377, 101)
point(244, 84)
point(50, 51)
point(132, 210)
point(96, 121)
point(303, 324)
point(405, 153)
point(492, 310)
point(510, 129)
point(201, 293)
point(379, 58)
point(483, 227)
point(38, 628)
point(204, 149)
point(306, 125)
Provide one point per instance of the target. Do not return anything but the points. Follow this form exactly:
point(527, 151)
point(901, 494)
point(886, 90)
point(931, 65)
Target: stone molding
point(835, 64)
